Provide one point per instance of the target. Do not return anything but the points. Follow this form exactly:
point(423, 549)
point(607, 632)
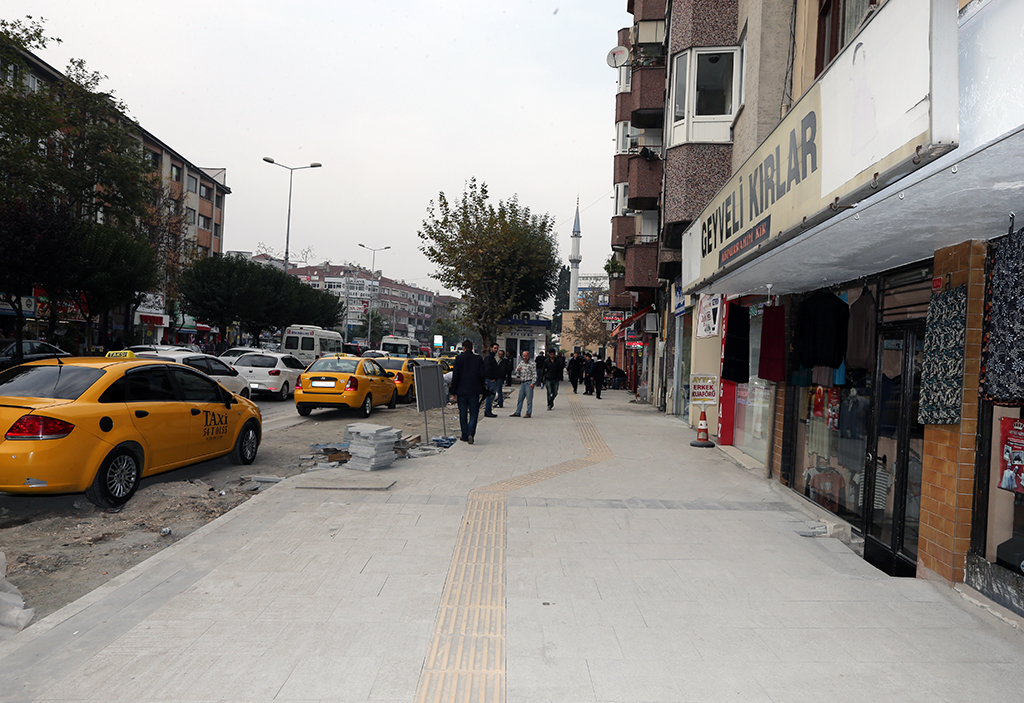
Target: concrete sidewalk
point(585, 554)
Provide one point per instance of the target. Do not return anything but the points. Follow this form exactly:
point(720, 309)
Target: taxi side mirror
point(229, 398)
point(233, 371)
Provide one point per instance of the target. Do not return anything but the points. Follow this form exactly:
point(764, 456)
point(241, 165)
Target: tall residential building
point(838, 256)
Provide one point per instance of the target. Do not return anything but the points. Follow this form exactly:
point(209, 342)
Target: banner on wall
point(1011, 439)
point(709, 316)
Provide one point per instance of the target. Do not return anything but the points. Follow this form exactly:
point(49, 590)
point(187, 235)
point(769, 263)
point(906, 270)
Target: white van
point(309, 342)
point(400, 346)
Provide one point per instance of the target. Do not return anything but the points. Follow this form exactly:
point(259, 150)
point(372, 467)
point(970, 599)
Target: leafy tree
point(381, 327)
point(561, 299)
point(588, 326)
point(213, 288)
point(502, 258)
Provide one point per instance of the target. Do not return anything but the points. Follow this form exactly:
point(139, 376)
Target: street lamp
point(288, 226)
point(369, 315)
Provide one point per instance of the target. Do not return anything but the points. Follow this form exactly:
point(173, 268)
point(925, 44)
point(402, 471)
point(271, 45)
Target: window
point(155, 159)
point(838, 22)
point(190, 216)
point(625, 78)
point(205, 222)
point(205, 191)
point(220, 200)
point(197, 389)
point(148, 385)
point(625, 137)
point(621, 198)
point(193, 184)
point(704, 86)
point(176, 173)
point(216, 229)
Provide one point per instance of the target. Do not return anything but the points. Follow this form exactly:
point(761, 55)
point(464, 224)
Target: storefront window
point(1005, 543)
point(753, 399)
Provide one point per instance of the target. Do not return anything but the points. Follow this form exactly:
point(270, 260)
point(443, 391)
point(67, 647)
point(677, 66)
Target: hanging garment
point(822, 328)
point(772, 364)
point(860, 345)
point(818, 437)
point(829, 489)
point(942, 371)
point(853, 442)
point(1002, 373)
point(736, 361)
point(822, 375)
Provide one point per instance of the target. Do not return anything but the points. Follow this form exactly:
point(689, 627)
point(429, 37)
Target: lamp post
point(288, 226)
point(369, 314)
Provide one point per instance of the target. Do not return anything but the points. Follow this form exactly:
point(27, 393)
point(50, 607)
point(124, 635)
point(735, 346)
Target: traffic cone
point(702, 432)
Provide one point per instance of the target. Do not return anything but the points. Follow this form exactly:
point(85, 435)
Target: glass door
point(893, 489)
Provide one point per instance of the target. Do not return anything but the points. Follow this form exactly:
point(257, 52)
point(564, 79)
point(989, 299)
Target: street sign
point(703, 389)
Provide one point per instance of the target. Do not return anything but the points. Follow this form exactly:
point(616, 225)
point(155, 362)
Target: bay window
point(705, 87)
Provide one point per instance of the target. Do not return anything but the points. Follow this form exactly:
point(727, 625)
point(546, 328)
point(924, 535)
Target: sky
point(398, 100)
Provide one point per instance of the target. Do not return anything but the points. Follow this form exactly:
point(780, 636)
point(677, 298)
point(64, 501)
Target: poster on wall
point(709, 316)
point(1011, 439)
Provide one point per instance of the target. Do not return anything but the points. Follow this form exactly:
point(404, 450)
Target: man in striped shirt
point(526, 372)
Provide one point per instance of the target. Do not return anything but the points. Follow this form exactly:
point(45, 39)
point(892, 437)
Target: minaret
point(574, 260)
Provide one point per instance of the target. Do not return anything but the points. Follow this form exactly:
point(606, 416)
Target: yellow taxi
point(101, 424)
point(404, 381)
point(342, 381)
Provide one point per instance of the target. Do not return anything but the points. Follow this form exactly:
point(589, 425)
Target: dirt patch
point(59, 548)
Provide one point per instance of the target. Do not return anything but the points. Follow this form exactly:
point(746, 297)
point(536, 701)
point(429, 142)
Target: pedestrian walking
point(597, 373)
point(553, 375)
point(588, 380)
point(504, 377)
point(491, 378)
point(466, 388)
point(526, 372)
point(575, 369)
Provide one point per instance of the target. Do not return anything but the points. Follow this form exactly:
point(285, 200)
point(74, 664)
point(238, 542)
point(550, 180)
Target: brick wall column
point(947, 480)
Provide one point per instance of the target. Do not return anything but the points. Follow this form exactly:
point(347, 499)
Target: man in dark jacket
point(553, 371)
point(491, 378)
point(504, 377)
point(598, 374)
point(588, 380)
point(466, 387)
point(575, 369)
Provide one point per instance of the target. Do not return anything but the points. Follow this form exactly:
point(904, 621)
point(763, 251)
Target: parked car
point(212, 366)
point(345, 382)
point(159, 348)
point(270, 372)
point(404, 381)
point(354, 349)
point(31, 350)
point(99, 425)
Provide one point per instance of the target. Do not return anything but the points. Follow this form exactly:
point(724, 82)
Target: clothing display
point(822, 375)
point(771, 365)
point(818, 436)
point(822, 329)
point(860, 343)
point(853, 426)
point(736, 358)
point(942, 376)
point(1002, 373)
point(829, 489)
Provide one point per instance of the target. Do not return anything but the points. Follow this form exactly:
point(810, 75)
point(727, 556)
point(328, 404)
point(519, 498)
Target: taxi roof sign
point(121, 354)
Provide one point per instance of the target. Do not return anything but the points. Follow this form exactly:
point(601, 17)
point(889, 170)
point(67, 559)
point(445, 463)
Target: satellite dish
point(618, 57)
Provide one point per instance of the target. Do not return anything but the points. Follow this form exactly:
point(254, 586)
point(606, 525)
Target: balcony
point(641, 263)
point(646, 9)
point(618, 297)
point(645, 172)
point(623, 230)
point(647, 96)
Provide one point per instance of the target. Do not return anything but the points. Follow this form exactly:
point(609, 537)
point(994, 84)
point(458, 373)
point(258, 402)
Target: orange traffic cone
point(702, 432)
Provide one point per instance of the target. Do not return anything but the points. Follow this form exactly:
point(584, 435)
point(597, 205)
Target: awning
point(200, 327)
point(625, 324)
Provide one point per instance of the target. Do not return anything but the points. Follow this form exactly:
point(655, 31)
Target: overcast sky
point(399, 100)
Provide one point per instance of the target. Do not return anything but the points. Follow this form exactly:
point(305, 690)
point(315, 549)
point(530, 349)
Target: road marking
point(466, 657)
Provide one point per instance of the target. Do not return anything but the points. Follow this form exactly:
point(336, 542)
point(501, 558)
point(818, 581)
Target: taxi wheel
point(303, 409)
point(394, 400)
point(247, 444)
point(117, 480)
point(283, 393)
point(246, 393)
point(367, 405)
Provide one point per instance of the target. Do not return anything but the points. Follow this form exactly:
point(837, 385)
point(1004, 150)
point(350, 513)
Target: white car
point(233, 353)
point(270, 372)
point(213, 367)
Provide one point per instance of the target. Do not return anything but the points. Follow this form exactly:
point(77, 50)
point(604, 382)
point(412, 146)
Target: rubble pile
point(14, 616)
point(372, 447)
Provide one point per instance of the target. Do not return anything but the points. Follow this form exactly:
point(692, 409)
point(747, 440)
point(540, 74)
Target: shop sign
point(1011, 439)
point(678, 298)
point(152, 304)
point(615, 316)
point(703, 389)
point(438, 340)
point(66, 312)
point(854, 130)
point(709, 315)
point(28, 306)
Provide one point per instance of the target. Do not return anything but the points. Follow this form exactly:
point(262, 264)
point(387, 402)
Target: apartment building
point(837, 250)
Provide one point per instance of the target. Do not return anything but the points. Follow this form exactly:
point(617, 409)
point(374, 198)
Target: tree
point(502, 259)
point(561, 299)
point(588, 326)
point(381, 327)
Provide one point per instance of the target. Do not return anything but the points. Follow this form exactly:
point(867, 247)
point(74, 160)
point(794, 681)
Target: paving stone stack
point(372, 446)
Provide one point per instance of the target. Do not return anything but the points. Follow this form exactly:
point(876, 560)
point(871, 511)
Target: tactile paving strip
point(466, 658)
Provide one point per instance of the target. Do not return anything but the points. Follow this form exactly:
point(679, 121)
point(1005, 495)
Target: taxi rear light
point(274, 372)
point(399, 378)
point(39, 427)
point(353, 384)
point(298, 383)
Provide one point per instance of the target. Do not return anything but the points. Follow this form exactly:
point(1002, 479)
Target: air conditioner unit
point(651, 322)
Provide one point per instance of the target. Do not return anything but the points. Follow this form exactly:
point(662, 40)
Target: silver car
point(270, 372)
point(213, 367)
